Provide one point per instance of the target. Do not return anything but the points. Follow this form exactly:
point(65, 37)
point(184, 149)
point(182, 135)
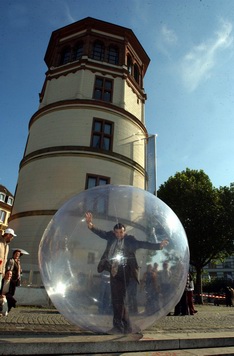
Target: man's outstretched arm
point(89, 220)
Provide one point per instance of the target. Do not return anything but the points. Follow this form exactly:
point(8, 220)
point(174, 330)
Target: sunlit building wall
point(89, 128)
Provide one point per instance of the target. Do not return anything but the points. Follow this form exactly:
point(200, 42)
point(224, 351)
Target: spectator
point(189, 294)
point(5, 239)
point(151, 290)
point(13, 264)
point(7, 292)
point(181, 307)
point(165, 278)
point(229, 296)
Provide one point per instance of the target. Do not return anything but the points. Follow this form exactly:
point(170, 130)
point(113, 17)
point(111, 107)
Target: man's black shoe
point(116, 330)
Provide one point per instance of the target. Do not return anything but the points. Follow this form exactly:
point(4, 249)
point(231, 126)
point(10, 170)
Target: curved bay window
point(102, 134)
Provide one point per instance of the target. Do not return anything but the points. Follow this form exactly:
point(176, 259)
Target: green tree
point(226, 219)
point(205, 212)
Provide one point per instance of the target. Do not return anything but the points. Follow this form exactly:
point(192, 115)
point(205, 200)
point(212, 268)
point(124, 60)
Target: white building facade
point(89, 128)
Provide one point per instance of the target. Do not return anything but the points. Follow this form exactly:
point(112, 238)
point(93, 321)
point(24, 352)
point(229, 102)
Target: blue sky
point(189, 82)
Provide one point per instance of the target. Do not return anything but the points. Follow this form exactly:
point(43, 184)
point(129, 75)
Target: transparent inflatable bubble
point(136, 283)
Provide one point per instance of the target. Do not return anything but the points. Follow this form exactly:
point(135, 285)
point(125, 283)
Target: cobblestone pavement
point(208, 319)
point(32, 320)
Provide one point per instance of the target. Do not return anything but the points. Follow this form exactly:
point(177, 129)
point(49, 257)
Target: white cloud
point(68, 14)
point(166, 39)
point(168, 36)
point(198, 64)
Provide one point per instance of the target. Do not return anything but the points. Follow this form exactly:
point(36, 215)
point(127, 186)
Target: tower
point(89, 128)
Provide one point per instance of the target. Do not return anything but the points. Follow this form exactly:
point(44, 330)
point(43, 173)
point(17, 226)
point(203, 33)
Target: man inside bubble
point(119, 260)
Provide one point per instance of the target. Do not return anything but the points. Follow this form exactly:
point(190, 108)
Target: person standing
point(119, 259)
point(229, 296)
point(189, 294)
point(165, 279)
point(5, 240)
point(7, 291)
point(151, 291)
point(13, 264)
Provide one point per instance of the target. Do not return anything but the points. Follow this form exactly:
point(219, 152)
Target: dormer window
point(10, 201)
point(2, 197)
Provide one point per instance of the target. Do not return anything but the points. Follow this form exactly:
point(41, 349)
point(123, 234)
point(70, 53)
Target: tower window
point(102, 134)
point(103, 89)
point(100, 205)
point(66, 55)
point(113, 55)
point(95, 180)
point(78, 51)
point(136, 73)
point(129, 64)
point(98, 51)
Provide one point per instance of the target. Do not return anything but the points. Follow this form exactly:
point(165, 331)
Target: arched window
point(136, 73)
point(113, 55)
point(129, 64)
point(66, 56)
point(78, 51)
point(98, 51)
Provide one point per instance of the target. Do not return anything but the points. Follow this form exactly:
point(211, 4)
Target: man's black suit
point(127, 268)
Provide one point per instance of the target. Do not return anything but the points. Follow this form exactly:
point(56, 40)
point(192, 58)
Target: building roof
point(99, 25)
point(3, 189)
